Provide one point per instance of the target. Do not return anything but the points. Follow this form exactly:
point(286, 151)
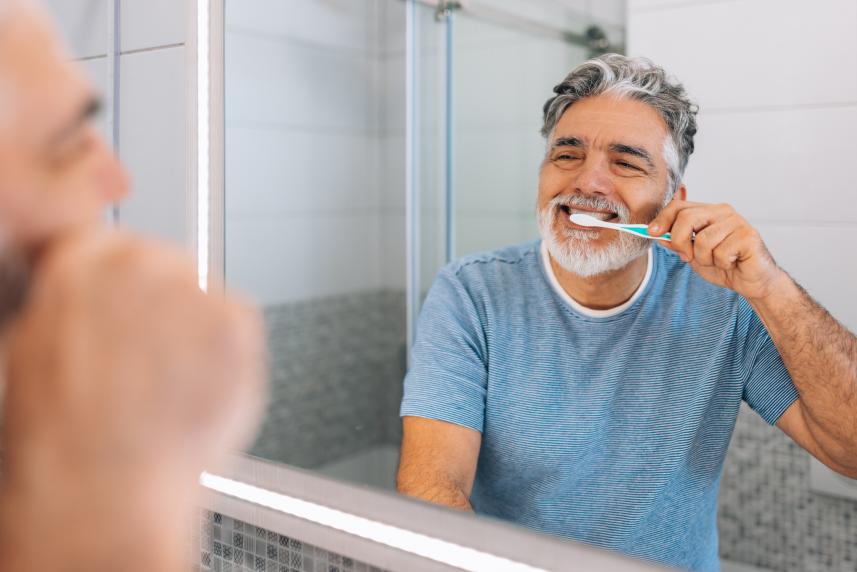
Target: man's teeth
point(599, 216)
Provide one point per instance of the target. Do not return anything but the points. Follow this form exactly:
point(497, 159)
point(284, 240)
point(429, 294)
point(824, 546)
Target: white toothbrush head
point(585, 220)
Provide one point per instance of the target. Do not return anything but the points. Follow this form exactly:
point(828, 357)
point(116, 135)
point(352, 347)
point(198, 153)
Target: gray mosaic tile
point(280, 554)
point(336, 377)
point(769, 518)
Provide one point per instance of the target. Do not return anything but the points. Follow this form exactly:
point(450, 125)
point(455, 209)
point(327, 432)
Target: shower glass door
point(481, 74)
point(502, 75)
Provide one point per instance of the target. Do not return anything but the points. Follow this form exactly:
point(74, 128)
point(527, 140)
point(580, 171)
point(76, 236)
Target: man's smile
point(565, 212)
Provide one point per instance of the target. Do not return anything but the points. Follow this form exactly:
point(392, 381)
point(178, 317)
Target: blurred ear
point(681, 193)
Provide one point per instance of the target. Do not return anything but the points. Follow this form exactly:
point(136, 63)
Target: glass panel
point(431, 83)
point(503, 76)
point(315, 222)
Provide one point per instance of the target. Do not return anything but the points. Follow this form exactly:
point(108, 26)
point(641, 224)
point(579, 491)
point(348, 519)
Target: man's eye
point(566, 157)
point(628, 165)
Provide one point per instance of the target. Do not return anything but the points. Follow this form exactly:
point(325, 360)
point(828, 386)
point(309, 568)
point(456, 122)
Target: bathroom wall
point(315, 215)
point(153, 104)
point(305, 137)
point(777, 87)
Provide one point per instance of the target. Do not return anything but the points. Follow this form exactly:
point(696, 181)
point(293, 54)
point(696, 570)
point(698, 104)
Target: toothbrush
point(635, 229)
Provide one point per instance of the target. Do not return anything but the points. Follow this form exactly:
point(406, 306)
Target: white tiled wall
point(153, 102)
point(777, 87)
point(83, 23)
point(314, 148)
point(153, 142)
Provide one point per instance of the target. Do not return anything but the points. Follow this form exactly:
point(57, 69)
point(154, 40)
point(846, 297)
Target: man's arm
point(438, 462)
point(818, 352)
point(821, 357)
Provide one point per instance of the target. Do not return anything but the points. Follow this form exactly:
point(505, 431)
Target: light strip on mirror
point(203, 63)
point(415, 543)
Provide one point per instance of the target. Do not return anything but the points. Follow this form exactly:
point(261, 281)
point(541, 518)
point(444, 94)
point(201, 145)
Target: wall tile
point(611, 12)
point(153, 142)
point(392, 250)
point(273, 82)
point(275, 171)
point(668, 4)
point(153, 23)
point(337, 365)
point(786, 68)
point(392, 27)
point(332, 23)
point(287, 258)
point(83, 23)
point(481, 232)
point(227, 544)
point(499, 172)
point(768, 517)
point(392, 91)
point(393, 173)
point(822, 260)
point(786, 165)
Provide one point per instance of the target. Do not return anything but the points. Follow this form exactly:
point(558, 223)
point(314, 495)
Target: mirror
point(370, 142)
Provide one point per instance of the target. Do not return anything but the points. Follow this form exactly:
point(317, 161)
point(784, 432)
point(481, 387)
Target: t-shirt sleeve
point(768, 388)
point(447, 378)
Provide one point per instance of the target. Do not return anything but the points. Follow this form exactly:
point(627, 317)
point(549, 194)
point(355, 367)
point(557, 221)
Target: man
point(587, 385)
point(123, 380)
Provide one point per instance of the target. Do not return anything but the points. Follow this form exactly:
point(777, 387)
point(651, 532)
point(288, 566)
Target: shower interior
point(367, 143)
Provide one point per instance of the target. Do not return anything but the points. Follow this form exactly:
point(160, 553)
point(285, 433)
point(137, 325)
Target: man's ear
point(681, 193)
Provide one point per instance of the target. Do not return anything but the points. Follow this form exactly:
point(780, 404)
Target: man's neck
point(603, 291)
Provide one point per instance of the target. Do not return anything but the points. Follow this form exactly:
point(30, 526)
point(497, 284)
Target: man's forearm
point(437, 491)
point(821, 357)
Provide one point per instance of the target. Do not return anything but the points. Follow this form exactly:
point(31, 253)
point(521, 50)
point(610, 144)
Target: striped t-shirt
point(604, 427)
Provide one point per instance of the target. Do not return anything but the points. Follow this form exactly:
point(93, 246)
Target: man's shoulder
point(516, 258)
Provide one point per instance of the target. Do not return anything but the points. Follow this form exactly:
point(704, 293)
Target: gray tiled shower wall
point(769, 518)
point(337, 366)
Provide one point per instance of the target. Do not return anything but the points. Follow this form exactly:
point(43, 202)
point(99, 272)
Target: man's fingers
point(710, 237)
point(728, 253)
point(688, 222)
point(665, 219)
point(688, 219)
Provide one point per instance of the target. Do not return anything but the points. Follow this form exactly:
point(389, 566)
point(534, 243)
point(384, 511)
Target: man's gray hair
point(634, 78)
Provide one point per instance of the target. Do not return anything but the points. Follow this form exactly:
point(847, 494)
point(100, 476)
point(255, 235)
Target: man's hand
point(125, 381)
point(721, 247)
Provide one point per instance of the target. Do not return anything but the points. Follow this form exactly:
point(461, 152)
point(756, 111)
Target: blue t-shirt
point(609, 429)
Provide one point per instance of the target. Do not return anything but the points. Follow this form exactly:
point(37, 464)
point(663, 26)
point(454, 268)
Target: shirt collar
point(577, 306)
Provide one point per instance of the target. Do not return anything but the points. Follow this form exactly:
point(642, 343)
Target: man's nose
point(594, 177)
point(112, 180)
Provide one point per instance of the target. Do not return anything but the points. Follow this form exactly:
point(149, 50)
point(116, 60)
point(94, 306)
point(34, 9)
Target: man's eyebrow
point(635, 151)
point(89, 110)
point(567, 142)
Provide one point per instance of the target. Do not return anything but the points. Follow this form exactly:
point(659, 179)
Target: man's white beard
point(573, 250)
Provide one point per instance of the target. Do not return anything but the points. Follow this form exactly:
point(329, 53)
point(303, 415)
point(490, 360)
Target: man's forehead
point(608, 120)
